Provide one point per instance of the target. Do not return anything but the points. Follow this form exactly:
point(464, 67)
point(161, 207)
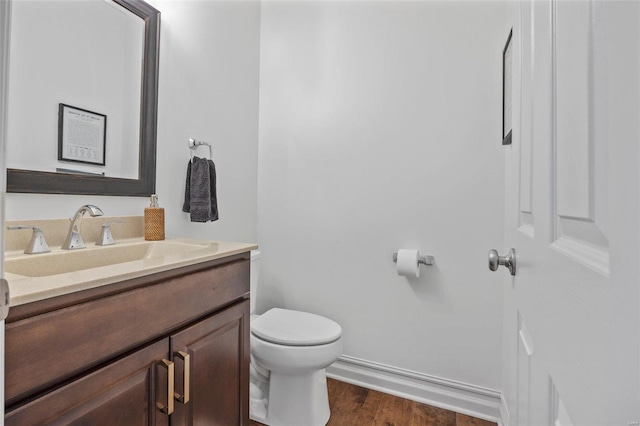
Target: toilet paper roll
point(407, 264)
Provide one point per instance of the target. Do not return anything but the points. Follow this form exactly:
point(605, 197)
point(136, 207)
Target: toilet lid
point(295, 328)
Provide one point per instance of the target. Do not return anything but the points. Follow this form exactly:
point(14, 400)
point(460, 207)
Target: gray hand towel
point(200, 191)
point(186, 206)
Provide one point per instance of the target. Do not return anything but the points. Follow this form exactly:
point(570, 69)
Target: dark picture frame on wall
point(82, 135)
point(507, 93)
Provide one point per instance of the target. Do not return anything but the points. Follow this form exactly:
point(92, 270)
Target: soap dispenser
point(154, 221)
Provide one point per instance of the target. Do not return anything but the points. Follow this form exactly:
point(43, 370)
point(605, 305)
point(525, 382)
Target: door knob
point(509, 261)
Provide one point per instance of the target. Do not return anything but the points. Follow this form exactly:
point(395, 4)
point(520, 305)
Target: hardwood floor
point(355, 406)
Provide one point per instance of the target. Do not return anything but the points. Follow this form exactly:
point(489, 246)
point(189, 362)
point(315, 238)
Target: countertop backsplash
point(55, 230)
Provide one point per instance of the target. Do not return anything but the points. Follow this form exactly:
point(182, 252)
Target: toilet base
point(302, 400)
point(289, 383)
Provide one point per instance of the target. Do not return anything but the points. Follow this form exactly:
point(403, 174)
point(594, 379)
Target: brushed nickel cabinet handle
point(168, 409)
point(186, 358)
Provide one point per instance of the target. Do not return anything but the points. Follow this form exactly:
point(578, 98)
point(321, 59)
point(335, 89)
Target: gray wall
point(380, 129)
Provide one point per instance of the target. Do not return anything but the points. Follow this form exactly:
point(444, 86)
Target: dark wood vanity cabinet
point(121, 393)
point(217, 370)
point(118, 355)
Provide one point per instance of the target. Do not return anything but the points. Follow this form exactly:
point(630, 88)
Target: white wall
point(209, 68)
point(209, 76)
point(380, 128)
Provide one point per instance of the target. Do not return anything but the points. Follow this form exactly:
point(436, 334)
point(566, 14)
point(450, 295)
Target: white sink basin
point(34, 277)
point(65, 261)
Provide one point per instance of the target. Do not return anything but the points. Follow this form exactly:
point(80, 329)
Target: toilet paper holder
point(422, 260)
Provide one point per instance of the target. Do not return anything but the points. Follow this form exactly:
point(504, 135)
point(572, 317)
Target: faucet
point(74, 238)
point(106, 238)
point(37, 243)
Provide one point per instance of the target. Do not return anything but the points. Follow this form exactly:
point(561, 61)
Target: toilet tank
point(253, 277)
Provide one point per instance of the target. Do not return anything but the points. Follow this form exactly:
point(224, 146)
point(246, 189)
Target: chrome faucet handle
point(74, 239)
point(37, 243)
point(106, 239)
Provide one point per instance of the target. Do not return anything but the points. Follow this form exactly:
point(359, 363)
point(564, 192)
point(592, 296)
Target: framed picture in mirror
point(82, 135)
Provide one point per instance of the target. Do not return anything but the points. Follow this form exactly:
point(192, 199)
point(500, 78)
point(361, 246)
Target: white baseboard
point(451, 395)
point(505, 419)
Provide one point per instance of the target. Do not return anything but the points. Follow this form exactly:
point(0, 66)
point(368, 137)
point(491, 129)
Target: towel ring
point(194, 144)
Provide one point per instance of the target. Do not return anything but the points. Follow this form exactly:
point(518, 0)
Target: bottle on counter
point(154, 221)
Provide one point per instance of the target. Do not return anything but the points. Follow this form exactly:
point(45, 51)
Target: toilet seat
point(295, 328)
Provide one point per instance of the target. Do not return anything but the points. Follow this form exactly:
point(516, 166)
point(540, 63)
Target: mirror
point(123, 69)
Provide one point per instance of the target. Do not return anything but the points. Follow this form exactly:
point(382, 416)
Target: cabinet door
point(124, 393)
point(218, 349)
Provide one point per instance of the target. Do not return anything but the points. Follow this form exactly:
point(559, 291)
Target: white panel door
point(571, 323)
point(5, 19)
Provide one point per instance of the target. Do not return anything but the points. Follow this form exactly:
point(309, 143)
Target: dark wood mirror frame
point(28, 181)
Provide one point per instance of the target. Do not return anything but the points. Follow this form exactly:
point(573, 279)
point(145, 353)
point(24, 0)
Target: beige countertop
point(54, 274)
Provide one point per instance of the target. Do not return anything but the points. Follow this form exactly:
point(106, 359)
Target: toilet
point(289, 353)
